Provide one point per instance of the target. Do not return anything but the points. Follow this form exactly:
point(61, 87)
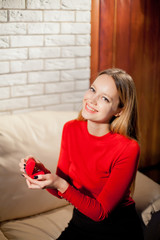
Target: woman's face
point(100, 103)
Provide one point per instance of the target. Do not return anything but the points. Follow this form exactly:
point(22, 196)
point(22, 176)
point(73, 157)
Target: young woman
point(98, 162)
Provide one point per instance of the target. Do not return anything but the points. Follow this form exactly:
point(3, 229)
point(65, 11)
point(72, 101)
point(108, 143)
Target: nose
point(94, 99)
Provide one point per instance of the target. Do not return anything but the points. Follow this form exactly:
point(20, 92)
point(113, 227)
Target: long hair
point(127, 122)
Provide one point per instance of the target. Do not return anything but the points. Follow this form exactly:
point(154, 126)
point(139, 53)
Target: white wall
point(44, 54)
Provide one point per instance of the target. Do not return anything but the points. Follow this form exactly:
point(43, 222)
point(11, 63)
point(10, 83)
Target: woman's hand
point(47, 181)
point(38, 165)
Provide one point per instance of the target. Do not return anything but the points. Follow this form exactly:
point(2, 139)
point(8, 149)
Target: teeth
point(91, 109)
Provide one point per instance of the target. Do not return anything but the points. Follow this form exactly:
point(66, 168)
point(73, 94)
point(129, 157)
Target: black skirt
point(122, 223)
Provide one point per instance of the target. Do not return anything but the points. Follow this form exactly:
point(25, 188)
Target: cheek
point(86, 95)
point(107, 108)
point(85, 98)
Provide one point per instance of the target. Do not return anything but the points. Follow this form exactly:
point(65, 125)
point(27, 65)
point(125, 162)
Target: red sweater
point(100, 170)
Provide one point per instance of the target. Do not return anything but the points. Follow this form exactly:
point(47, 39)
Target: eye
point(92, 89)
point(105, 99)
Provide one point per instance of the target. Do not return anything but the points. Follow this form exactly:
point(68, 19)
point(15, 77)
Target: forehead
point(106, 84)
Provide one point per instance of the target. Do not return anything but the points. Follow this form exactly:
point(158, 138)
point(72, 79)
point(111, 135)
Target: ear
point(119, 112)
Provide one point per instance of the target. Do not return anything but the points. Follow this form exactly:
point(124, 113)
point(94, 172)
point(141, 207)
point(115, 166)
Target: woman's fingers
point(32, 185)
point(39, 183)
point(22, 165)
point(23, 162)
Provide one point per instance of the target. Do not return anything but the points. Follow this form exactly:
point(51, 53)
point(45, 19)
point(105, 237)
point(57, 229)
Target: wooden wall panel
point(123, 35)
point(106, 53)
point(129, 38)
point(95, 17)
point(150, 83)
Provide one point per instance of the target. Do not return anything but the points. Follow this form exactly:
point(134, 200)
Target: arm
point(121, 177)
point(117, 185)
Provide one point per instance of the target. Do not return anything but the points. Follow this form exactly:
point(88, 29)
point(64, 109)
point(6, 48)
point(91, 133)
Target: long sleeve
point(99, 170)
point(120, 179)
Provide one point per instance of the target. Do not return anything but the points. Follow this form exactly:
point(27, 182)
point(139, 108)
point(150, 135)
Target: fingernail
point(35, 177)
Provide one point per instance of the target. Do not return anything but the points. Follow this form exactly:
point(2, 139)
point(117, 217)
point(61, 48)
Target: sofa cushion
point(37, 134)
point(45, 226)
point(2, 237)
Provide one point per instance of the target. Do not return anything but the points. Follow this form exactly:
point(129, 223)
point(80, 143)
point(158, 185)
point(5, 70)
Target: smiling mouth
point(90, 109)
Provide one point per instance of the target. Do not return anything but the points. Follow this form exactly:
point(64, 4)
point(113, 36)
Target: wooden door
point(126, 34)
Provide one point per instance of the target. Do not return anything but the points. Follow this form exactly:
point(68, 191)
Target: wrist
point(62, 184)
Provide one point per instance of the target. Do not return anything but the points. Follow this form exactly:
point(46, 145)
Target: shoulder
point(126, 149)
point(127, 143)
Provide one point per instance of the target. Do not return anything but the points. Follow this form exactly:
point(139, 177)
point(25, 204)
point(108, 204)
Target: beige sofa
point(35, 214)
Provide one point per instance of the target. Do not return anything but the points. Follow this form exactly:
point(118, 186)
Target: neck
point(97, 129)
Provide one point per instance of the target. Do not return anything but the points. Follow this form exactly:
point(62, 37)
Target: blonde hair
point(127, 122)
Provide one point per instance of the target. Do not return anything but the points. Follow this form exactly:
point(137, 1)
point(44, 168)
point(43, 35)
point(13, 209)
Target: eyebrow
point(103, 92)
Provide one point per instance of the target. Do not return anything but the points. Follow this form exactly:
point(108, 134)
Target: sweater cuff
point(67, 193)
point(54, 192)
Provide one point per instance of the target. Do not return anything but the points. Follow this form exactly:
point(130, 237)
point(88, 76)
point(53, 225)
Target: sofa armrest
point(146, 192)
point(150, 210)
